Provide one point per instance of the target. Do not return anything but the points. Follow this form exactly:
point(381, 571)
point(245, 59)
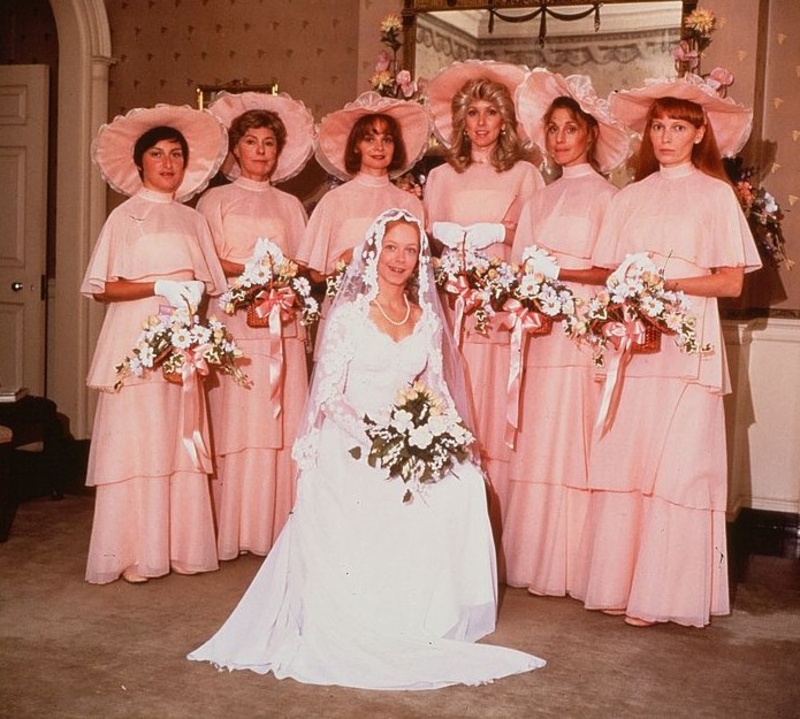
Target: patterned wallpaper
point(781, 134)
point(760, 43)
point(167, 47)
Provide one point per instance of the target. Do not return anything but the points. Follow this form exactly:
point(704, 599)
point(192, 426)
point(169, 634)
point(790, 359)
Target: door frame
point(84, 58)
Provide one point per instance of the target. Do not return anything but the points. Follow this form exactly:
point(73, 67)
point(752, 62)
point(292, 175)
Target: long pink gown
point(548, 495)
point(252, 429)
point(342, 217)
point(481, 194)
point(655, 541)
point(152, 506)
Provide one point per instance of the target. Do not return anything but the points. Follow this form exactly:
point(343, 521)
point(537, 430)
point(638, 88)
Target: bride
point(363, 589)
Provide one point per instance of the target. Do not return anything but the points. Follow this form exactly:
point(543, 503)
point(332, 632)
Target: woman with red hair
point(654, 549)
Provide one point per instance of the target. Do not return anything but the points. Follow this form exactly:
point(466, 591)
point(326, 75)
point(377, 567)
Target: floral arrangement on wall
point(698, 26)
point(763, 213)
point(390, 80)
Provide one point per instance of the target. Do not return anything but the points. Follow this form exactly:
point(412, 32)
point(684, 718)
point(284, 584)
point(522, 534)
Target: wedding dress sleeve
point(327, 399)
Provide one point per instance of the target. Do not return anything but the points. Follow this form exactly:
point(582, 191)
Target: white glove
point(193, 293)
point(540, 261)
point(172, 291)
point(475, 237)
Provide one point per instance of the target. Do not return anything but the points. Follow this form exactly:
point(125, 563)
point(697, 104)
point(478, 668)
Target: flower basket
point(253, 320)
point(174, 338)
point(652, 341)
point(269, 277)
point(634, 300)
point(545, 328)
point(172, 376)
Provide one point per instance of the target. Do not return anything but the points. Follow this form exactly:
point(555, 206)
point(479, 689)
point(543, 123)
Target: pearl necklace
point(389, 319)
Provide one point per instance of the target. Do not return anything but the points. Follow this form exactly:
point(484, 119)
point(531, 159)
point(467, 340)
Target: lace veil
point(358, 287)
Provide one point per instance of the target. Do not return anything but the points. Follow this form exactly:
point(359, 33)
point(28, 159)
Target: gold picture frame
point(206, 94)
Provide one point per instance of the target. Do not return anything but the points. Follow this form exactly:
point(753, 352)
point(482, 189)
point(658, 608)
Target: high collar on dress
point(252, 185)
point(582, 170)
point(154, 196)
point(371, 180)
point(675, 173)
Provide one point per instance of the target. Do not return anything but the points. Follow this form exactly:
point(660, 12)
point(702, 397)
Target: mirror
point(618, 43)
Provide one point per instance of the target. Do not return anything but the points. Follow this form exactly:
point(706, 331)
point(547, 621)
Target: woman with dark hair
point(253, 428)
point(365, 144)
point(559, 397)
point(485, 180)
point(655, 548)
point(148, 462)
point(363, 589)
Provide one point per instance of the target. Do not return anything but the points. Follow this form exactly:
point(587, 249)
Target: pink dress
point(655, 541)
point(152, 505)
point(252, 429)
point(548, 494)
point(342, 217)
point(481, 194)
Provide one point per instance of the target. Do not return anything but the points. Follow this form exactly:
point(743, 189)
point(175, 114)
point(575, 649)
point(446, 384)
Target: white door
point(23, 225)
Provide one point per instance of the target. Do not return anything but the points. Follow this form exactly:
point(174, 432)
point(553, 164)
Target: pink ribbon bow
point(277, 304)
point(467, 300)
point(622, 336)
point(520, 320)
point(193, 409)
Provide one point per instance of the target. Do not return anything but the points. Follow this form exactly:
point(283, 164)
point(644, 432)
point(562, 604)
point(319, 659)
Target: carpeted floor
point(70, 650)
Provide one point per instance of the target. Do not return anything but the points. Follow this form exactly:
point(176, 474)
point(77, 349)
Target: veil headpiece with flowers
point(357, 289)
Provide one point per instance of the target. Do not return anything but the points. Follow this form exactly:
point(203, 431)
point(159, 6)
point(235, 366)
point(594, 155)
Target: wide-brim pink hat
point(335, 128)
point(112, 149)
point(439, 91)
point(730, 121)
point(295, 116)
point(536, 94)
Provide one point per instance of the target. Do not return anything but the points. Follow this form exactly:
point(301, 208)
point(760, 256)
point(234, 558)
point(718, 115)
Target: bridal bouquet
point(421, 440)
point(177, 341)
point(634, 310)
point(270, 289)
point(482, 282)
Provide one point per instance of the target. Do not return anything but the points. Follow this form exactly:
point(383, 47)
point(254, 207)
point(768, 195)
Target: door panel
point(23, 225)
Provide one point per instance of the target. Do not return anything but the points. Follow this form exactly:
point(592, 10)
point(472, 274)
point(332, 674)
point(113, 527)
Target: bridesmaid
point(655, 548)
point(254, 428)
point(148, 460)
point(548, 493)
point(485, 179)
point(366, 144)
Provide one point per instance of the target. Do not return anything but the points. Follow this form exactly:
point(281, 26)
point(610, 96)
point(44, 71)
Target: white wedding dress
point(360, 589)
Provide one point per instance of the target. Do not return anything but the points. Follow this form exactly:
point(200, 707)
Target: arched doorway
point(84, 58)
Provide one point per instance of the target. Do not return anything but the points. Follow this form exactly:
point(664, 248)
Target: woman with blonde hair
point(485, 180)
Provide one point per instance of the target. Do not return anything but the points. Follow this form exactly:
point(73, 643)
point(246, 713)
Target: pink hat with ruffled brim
point(112, 149)
point(730, 121)
point(335, 128)
point(295, 116)
point(537, 93)
point(440, 90)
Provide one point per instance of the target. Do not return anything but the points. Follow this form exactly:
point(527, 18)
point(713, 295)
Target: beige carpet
point(70, 650)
